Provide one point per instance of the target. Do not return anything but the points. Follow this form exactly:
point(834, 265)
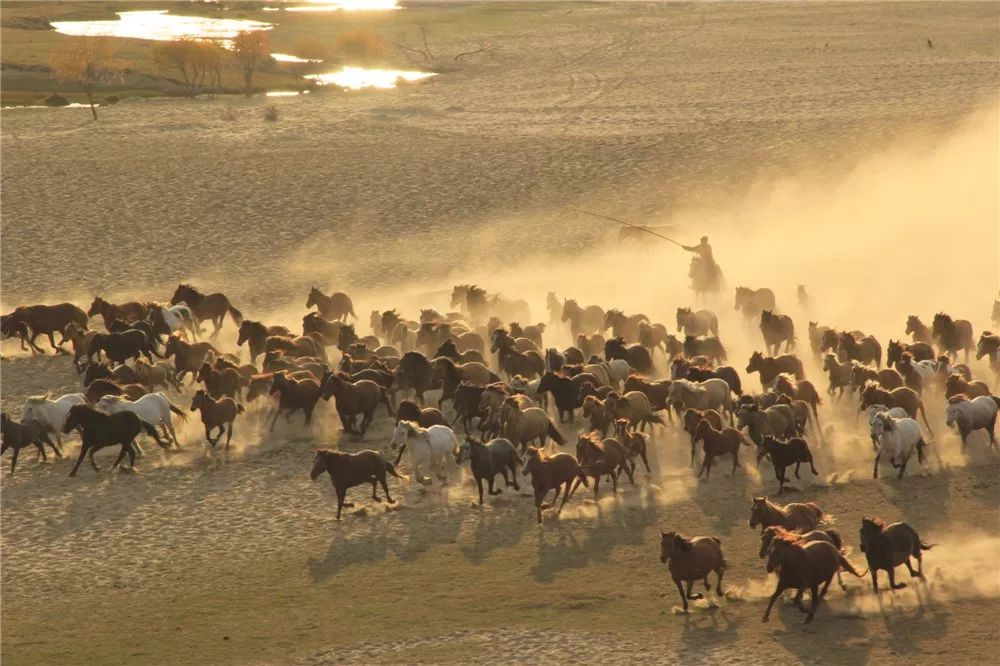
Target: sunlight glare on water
point(285, 57)
point(356, 78)
point(340, 5)
point(160, 25)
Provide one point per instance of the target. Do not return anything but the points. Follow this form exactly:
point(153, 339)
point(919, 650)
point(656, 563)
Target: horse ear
point(662, 533)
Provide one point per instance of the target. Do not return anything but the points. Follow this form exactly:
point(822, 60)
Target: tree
point(180, 55)
point(89, 62)
point(250, 48)
point(360, 45)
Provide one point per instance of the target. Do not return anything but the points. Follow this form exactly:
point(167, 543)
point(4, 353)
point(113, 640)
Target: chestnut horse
point(207, 306)
point(555, 472)
point(30, 321)
point(692, 559)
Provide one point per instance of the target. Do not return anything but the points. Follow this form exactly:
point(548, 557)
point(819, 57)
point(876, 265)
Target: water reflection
point(285, 57)
point(338, 5)
point(356, 78)
point(160, 26)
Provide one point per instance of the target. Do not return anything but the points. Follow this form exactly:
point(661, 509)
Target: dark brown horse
point(361, 397)
point(634, 443)
point(888, 546)
point(797, 516)
point(336, 307)
point(751, 302)
point(917, 330)
point(690, 560)
point(770, 367)
point(801, 389)
point(30, 321)
point(708, 347)
point(692, 418)
point(952, 335)
point(920, 351)
point(16, 436)
point(784, 453)
point(718, 443)
point(188, 357)
point(637, 356)
point(957, 385)
point(120, 347)
point(904, 397)
point(582, 320)
point(777, 328)
point(219, 414)
point(864, 350)
point(425, 418)
point(293, 395)
point(348, 470)
point(213, 307)
point(565, 391)
point(656, 391)
point(255, 334)
point(219, 383)
point(555, 472)
point(99, 429)
point(602, 457)
point(466, 401)
point(127, 312)
point(329, 330)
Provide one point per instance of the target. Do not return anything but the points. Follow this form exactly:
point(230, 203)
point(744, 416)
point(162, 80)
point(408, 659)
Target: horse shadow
point(906, 627)
point(497, 526)
point(799, 639)
point(708, 633)
point(723, 498)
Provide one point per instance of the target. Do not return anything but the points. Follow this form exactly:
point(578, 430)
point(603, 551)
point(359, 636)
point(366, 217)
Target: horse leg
point(718, 580)
point(13, 459)
point(52, 341)
point(277, 412)
point(597, 485)
point(479, 485)
point(902, 468)
point(341, 493)
point(814, 604)
point(875, 472)
point(778, 589)
point(798, 463)
point(565, 497)
point(696, 595)
point(375, 490)
point(736, 460)
point(121, 456)
point(840, 581)
point(538, 504)
point(684, 600)
point(646, 462)
point(93, 463)
point(892, 580)
point(83, 453)
point(826, 586)
point(874, 578)
point(229, 435)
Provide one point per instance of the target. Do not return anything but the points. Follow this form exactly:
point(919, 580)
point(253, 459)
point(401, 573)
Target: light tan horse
point(799, 517)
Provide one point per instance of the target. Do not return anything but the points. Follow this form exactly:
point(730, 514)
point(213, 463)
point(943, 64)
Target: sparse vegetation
point(250, 48)
point(198, 62)
point(271, 113)
point(89, 62)
point(360, 46)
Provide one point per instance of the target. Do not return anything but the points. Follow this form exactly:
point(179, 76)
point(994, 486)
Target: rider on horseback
point(704, 271)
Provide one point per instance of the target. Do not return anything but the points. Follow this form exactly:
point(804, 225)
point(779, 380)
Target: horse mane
point(874, 520)
point(591, 437)
point(39, 399)
point(791, 538)
point(683, 542)
point(961, 397)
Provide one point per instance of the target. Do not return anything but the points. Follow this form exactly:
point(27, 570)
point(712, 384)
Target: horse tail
point(653, 417)
point(921, 456)
point(555, 434)
point(391, 469)
point(181, 414)
point(848, 567)
point(820, 514)
point(835, 539)
point(996, 399)
point(923, 545)
point(236, 315)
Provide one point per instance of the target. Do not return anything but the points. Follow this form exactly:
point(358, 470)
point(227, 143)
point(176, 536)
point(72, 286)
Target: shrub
point(55, 99)
point(270, 113)
point(360, 45)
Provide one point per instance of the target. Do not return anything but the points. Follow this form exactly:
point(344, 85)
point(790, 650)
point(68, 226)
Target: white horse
point(180, 316)
point(427, 446)
point(152, 408)
point(51, 413)
point(619, 370)
point(898, 438)
point(521, 385)
point(975, 414)
point(710, 394)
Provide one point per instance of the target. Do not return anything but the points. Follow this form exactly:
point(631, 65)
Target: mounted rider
point(704, 273)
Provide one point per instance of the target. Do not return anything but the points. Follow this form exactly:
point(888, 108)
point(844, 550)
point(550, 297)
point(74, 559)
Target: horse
point(600, 456)
point(784, 453)
point(213, 307)
point(709, 347)
point(777, 328)
point(785, 384)
point(804, 565)
point(153, 408)
point(188, 357)
point(633, 406)
point(907, 398)
point(529, 364)
point(487, 460)
point(425, 418)
point(293, 395)
point(335, 307)
point(218, 383)
point(899, 438)
point(102, 387)
point(634, 443)
point(348, 470)
point(415, 372)
point(99, 429)
point(920, 351)
point(692, 559)
point(866, 350)
point(912, 374)
point(770, 367)
point(127, 312)
point(636, 355)
point(777, 420)
point(430, 446)
point(554, 307)
point(681, 368)
point(360, 397)
point(989, 345)
point(817, 334)
point(522, 426)
point(917, 330)
point(10, 329)
point(888, 546)
point(328, 330)
point(51, 414)
point(589, 345)
point(555, 472)
point(655, 336)
point(582, 320)
point(709, 394)
point(797, 516)
point(700, 323)
point(565, 391)
point(595, 411)
point(622, 325)
point(533, 332)
point(656, 391)
point(169, 320)
point(979, 413)
point(219, 414)
point(30, 321)
point(120, 347)
point(256, 334)
point(952, 335)
point(16, 436)
point(955, 384)
point(448, 349)
point(717, 443)
point(451, 374)
point(751, 302)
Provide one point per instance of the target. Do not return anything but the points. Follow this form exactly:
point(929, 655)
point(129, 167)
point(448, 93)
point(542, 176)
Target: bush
point(112, 99)
point(229, 114)
point(55, 99)
point(360, 45)
point(270, 113)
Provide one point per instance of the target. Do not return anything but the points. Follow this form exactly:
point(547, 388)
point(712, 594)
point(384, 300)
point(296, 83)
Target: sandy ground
point(821, 143)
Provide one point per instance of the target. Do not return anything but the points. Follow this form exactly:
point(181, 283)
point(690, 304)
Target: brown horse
point(864, 350)
point(80, 339)
point(957, 385)
point(99, 429)
point(188, 357)
point(690, 560)
point(594, 410)
point(802, 389)
point(565, 391)
point(700, 323)
point(598, 457)
point(219, 383)
point(841, 375)
point(952, 335)
point(30, 321)
point(555, 472)
point(582, 320)
point(637, 356)
point(329, 330)
point(656, 391)
point(888, 546)
point(425, 418)
point(920, 351)
point(783, 454)
point(889, 378)
point(904, 397)
point(293, 395)
point(634, 443)
point(213, 307)
point(718, 443)
point(361, 397)
point(804, 565)
point(770, 367)
point(120, 347)
point(777, 328)
point(529, 364)
point(16, 436)
point(797, 516)
point(692, 418)
point(917, 330)
point(336, 307)
point(708, 347)
point(102, 387)
point(255, 334)
point(127, 312)
point(348, 470)
point(451, 374)
point(216, 414)
point(622, 325)
point(751, 302)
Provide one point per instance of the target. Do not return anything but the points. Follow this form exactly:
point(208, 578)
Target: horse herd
point(511, 394)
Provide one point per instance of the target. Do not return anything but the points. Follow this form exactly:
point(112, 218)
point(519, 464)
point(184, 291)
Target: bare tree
point(87, 61)
point(250, 48)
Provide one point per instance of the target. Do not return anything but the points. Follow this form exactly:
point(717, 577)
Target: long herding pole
point(628, 224)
